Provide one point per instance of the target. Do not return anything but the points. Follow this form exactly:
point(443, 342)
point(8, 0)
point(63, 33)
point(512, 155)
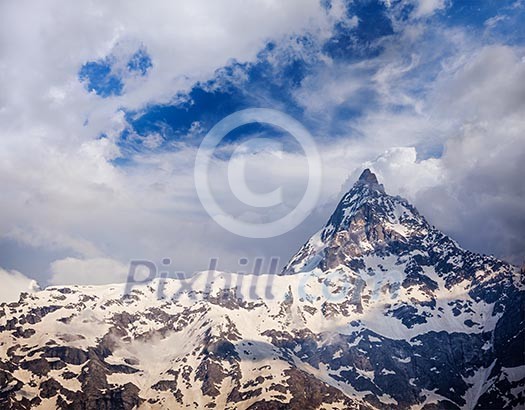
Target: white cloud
point(94, 271)
point(488, 85)
point(403, 174)
point(493, 21)
point(425, 8)
point(323, 91)
point(153, 141)
point(13, 283)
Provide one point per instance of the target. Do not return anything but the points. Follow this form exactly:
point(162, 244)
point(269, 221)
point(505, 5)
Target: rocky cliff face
point(378, 310)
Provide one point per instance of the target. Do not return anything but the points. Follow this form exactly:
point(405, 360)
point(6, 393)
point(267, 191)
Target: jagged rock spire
point(366, 221)
point(368, 178)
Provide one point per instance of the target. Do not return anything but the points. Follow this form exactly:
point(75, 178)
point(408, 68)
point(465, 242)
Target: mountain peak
point(368, 178)
point(367, 221)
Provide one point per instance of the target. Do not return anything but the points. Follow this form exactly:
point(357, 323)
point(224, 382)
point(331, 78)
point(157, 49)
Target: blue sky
point(278, 71)
point(106, 108)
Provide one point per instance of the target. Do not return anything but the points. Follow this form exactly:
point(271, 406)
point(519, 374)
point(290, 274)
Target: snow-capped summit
point(367, 220)
point(369, 178)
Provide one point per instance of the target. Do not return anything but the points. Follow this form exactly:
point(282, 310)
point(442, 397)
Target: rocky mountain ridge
point(378, 310)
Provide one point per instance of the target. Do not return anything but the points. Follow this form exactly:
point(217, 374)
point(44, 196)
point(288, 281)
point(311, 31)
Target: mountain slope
point(378, 310)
